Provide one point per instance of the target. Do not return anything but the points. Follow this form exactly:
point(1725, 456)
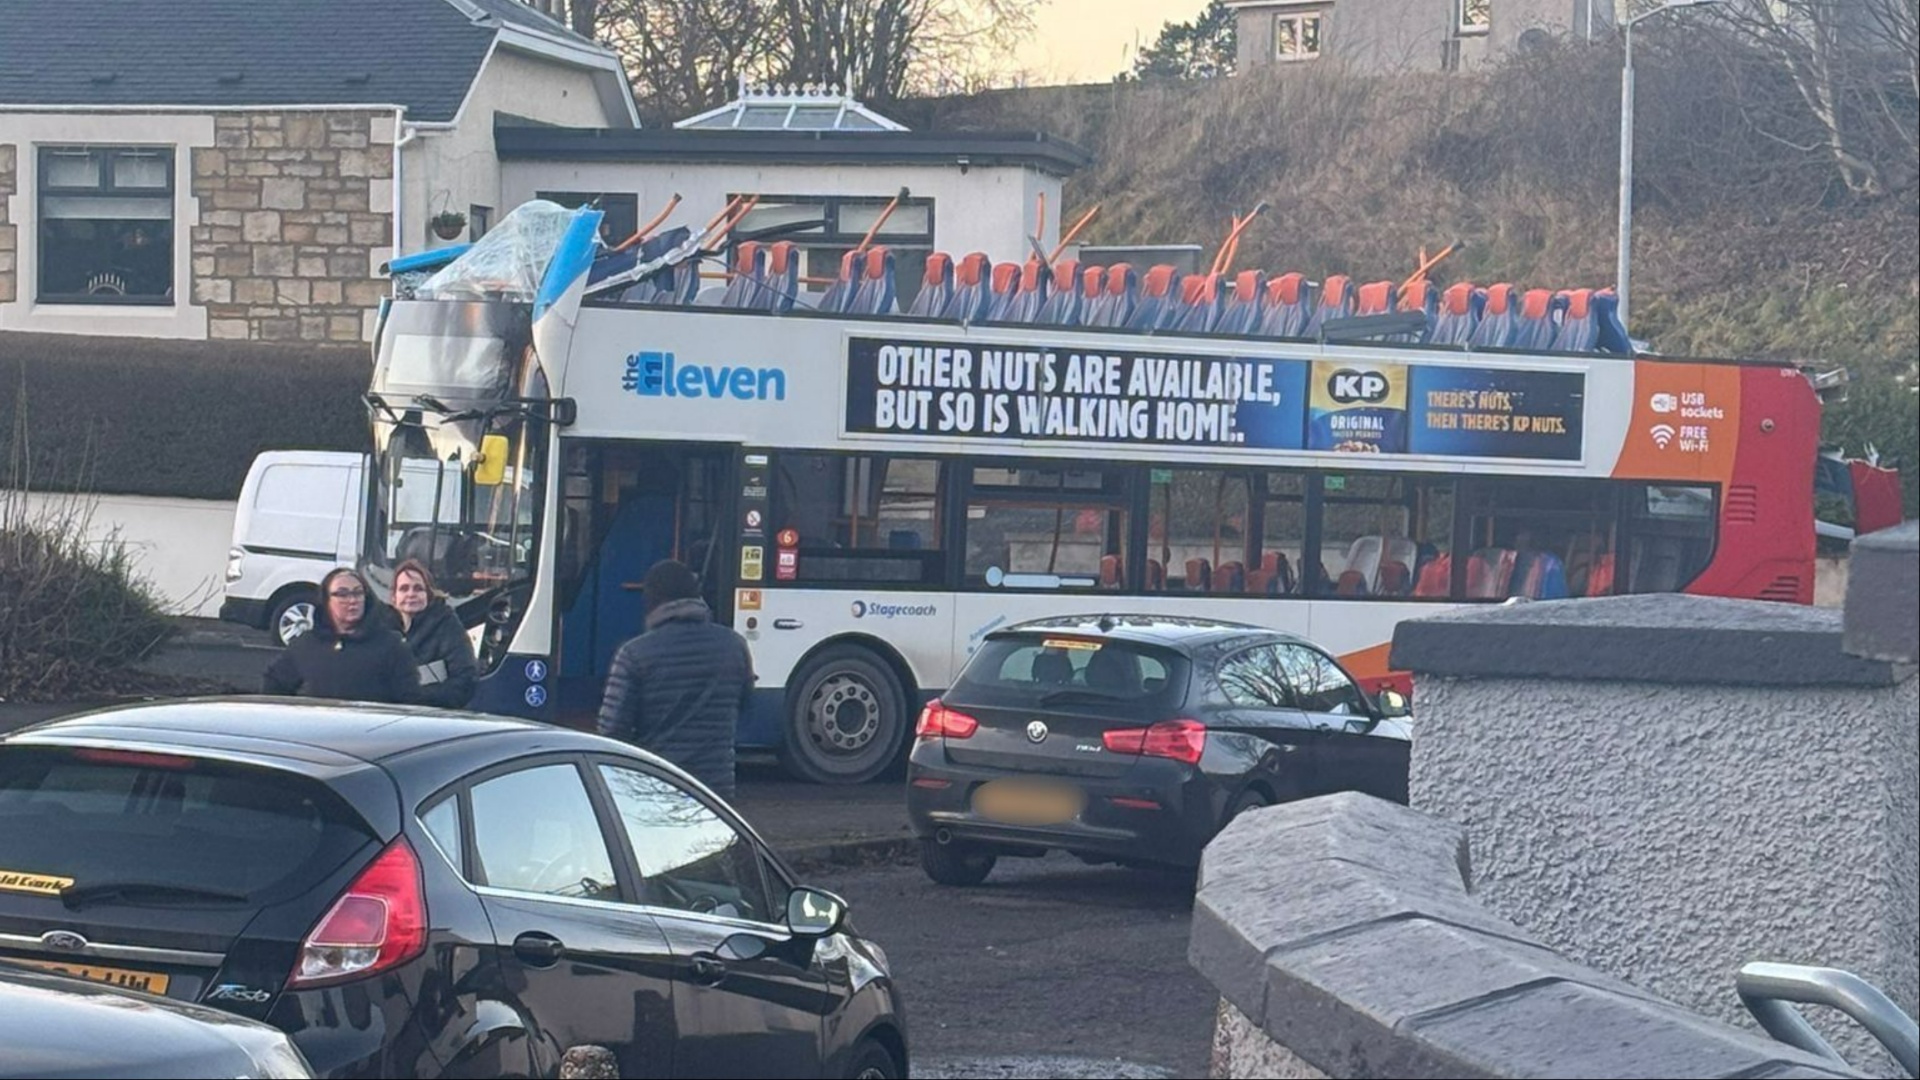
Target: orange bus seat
point(1199, 575)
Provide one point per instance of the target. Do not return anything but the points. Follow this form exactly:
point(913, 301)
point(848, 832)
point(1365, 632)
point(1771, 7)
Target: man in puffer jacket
point(679, 688)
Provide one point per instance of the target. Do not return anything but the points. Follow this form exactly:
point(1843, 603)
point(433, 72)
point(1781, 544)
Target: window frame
point(627, 863)
point(1120, 491)
point(622, 208)
point(827, 234)
point(1299, 21)
point(1463, 28)
point(935, 561)
point(830, 233)
point(1220, 682)
point(470, 867)
point(1353, 684)
point(105, 155)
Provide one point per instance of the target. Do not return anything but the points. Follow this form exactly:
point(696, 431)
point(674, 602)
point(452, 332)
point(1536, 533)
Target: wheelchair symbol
point(536, 696)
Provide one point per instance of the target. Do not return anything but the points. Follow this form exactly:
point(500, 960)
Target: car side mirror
point(814, 913)
point(1393, 703)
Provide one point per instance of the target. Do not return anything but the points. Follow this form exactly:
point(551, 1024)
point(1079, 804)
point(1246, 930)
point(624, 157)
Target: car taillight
point(1181, 740)
point(938, 721)
point(379, 923)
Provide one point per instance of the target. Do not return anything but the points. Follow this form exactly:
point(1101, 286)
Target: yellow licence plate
point(150, 982)
point(1016, 803)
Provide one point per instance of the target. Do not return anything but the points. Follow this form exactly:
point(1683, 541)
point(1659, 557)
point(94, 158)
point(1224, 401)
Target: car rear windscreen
point(85, 818)
point(1073, 674)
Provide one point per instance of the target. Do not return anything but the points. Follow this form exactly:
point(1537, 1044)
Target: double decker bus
point(865, 496)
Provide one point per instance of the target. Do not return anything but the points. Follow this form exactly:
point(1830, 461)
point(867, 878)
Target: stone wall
point(296, 213)
point(1669, 787)
point(9, 233)
point(1346, 940)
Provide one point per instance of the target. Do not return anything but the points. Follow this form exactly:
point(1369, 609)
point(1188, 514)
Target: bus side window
point(1541, 538)
point(862, 518)
point(1200, 529)
point(1670, 533)
point(1283, 535)
point(1380, 533)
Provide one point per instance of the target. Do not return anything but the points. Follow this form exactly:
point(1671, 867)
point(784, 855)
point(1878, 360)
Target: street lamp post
point(1623, 268)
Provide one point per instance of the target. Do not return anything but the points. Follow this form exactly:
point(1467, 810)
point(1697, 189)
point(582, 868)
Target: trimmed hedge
point(137, 416)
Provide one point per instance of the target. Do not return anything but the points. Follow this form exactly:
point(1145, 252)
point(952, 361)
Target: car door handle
point(708, 970)
point(538, 950)
point(786, 624)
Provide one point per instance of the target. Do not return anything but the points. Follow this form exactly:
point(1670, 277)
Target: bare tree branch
point(1841, 57)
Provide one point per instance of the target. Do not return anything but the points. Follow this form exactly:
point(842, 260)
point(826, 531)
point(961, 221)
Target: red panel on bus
point(1766, 544)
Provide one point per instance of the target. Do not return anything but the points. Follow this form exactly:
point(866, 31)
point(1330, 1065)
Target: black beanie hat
point(670, 580)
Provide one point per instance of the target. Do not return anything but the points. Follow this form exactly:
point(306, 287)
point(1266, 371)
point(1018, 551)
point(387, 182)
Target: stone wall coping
point(1660, 638)
point(1344, 927)
point(1883, 595)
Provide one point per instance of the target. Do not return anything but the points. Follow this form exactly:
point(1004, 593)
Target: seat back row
point(975, 289)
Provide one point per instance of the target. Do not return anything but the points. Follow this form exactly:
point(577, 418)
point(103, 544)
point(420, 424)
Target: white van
point(298, 517)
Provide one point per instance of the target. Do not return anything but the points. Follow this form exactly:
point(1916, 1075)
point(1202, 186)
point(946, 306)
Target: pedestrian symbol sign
point(536, 671)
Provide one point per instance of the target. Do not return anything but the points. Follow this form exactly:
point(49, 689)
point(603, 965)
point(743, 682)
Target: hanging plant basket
point(448, 224)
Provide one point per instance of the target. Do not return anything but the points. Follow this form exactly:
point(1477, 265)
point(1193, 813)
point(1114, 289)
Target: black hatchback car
point(418, 893)
point(1134, 739)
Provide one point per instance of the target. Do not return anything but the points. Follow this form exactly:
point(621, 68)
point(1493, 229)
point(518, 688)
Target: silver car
point(54, 1026)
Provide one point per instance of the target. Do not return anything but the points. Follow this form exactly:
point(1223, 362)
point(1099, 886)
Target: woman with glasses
point(346, 655)
point(434, 633)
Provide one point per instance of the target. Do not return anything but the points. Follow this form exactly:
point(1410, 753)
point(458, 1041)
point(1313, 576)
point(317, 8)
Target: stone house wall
point(296, 214)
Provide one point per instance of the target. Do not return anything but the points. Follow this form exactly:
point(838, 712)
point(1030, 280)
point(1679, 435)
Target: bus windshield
point(476, 538)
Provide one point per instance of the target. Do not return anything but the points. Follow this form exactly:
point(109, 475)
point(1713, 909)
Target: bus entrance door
point(646, 504)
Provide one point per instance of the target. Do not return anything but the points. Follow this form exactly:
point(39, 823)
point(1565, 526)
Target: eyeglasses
point(348, 594)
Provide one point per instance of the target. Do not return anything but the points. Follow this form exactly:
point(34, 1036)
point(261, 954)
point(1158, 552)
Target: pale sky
point(1093, 40)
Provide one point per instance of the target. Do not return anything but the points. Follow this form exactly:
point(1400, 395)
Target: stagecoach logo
point(862, 610)
point(63, 941)
point(1037, 731)
point(1349, 387)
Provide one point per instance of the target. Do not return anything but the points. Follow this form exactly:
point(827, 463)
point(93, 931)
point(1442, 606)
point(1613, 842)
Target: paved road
point(1050, 969)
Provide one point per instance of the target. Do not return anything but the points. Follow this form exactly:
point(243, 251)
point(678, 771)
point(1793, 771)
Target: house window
point(825, 228)
point(479, 220)
point(106, 225)
point(1476, 16)
point(621, 210)
point(1296, 37)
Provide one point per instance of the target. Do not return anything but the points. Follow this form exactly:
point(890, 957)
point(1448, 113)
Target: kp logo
point(1349, 387)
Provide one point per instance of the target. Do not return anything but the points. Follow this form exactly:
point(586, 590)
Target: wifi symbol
point(1662, 435)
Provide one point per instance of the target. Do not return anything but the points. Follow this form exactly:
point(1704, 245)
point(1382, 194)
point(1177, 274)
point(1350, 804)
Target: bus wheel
point(847, 721)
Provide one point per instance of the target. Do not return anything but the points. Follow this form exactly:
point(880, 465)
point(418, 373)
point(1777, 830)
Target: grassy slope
point(1741, 247)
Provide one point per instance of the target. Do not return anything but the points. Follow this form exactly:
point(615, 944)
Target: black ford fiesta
point(416, 893)
point(1134, 739)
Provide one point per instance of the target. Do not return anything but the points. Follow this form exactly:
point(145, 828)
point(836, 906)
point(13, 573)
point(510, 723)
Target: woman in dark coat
point(439, 643)
point(347, 655)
